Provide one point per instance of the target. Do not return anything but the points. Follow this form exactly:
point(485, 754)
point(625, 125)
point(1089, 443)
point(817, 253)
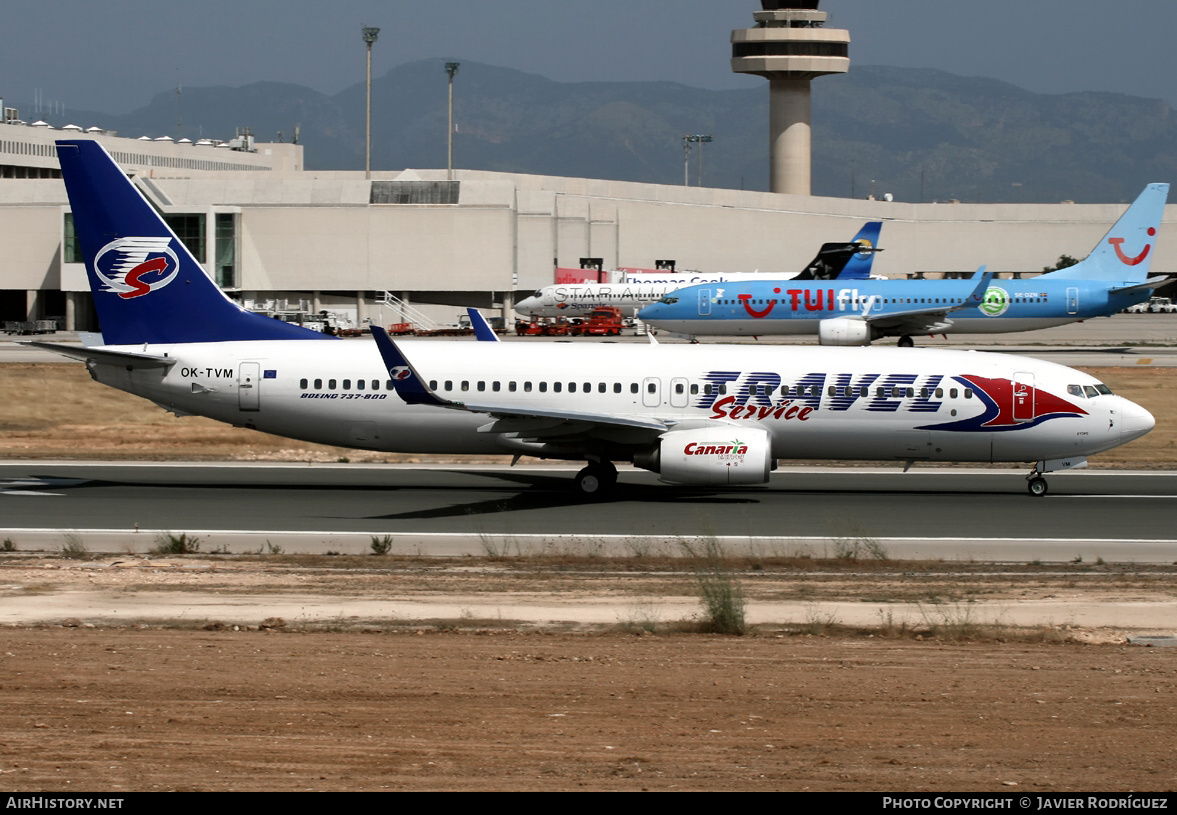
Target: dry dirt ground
point(931, 699)
point(939, 702)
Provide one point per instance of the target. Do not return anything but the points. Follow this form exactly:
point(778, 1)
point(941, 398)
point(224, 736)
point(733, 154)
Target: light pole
point(686, 160)
point(701, 140)
point(369, 38)
point(451, 68)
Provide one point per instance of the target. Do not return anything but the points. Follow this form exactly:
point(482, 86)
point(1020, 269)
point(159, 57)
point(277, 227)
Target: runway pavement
point(983, 515)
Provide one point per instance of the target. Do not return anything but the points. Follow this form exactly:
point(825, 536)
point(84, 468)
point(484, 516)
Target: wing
point(931, 320)
point(506, 418)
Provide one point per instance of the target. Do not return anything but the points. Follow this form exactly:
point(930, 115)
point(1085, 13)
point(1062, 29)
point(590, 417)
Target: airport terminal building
point(288, 241)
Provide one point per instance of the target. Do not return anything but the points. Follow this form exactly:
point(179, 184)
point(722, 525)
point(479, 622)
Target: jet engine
point(711, 456)
point(844, 331)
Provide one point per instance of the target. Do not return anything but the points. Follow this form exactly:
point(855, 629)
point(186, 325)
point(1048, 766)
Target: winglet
point(977, 296)
point(405, 379)
point(482, 330)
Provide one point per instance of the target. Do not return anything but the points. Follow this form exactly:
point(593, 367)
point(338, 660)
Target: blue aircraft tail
point(859, 265)
point(147, 287)
point(1124, 254)
point(845, 261)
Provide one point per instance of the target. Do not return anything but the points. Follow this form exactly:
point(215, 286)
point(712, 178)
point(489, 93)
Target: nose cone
point(1135, 421)
point(651, 312)
point(527, 304)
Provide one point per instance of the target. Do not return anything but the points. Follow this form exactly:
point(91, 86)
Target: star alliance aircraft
point(703, 415)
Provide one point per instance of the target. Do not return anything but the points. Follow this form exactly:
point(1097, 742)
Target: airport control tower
point(789, 47)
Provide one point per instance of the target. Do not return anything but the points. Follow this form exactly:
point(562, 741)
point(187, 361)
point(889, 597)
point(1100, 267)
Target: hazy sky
point(114, 55)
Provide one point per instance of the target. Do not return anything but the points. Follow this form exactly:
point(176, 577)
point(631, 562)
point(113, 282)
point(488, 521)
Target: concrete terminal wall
point(317, 231)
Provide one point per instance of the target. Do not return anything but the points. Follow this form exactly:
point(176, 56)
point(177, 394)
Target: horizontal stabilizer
point(104, 356)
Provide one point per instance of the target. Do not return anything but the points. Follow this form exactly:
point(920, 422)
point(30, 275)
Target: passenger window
point(633, 387)
point(602, 387)
point(449, 385)
point(302, 383)
point(511, 386)
point(968, 393)
point(939, 393)
point(359, 384)
point(432, 384)
point(556, 387)
point(318, 384)
point(543, 387)
point(952, 393)
point(481, 387)
point(527, 387)
point(347, 384)
point(331, 385)
point(572, 387)
point(496, 386)
point(694, 390)
point(617, 387)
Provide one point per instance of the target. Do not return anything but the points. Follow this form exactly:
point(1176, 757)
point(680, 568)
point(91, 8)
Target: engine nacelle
point(711, 456)
point(844, 331)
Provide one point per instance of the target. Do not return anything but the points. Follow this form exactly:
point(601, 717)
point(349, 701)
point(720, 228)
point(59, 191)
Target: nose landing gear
point(1036, 484)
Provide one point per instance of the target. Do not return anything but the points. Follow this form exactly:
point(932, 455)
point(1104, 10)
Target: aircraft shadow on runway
point(539, 491)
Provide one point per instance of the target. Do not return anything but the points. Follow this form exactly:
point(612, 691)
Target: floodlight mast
point(451, 68)
point(370, 35)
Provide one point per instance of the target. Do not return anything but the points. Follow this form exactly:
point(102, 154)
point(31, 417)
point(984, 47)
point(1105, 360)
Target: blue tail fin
point(845, 261)
point(1124, 254)
point(859, 265)
point(147, 287)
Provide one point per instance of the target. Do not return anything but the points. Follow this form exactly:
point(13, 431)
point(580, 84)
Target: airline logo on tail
point(133, 267)
point(1131, 261)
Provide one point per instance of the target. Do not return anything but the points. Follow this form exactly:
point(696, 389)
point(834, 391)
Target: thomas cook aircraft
point(1113, 277)
point(706, 415)
point(834, 261)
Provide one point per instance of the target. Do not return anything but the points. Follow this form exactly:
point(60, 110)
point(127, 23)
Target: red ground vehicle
point(601, 322)
point(538, 327)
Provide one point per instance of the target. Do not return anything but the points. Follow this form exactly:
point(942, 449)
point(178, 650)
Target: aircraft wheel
point(596, 480)
point(906, 342)
point(1037, 486)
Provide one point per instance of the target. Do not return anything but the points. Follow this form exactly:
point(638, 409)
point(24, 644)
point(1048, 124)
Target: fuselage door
point(1023, 396)
point(679, 392)
point(1072, 300)
point(704, 302)
point(249, 376)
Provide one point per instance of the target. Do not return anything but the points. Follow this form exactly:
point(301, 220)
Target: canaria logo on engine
point(133, 267)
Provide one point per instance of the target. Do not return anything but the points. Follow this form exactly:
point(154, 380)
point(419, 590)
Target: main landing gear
point(597, 479)
point(906, 341)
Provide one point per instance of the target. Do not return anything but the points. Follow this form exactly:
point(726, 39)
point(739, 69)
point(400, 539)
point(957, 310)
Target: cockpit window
point(670, 301)
point(539, 293)
point(1103, 389)
point(1091, 391)
point(1075, 390)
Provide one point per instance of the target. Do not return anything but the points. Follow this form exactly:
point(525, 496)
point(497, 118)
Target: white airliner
point(850, 260)
point(704, 415)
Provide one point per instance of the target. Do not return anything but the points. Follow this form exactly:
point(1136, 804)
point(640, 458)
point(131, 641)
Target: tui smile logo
point(1117, 243)
point(133, 267)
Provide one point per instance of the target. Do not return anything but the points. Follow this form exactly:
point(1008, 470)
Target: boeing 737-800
point(834, 261)
point(706, 415)
point(1113, 277)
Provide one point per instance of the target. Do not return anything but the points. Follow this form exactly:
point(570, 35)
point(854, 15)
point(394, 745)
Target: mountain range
point(920, 135)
